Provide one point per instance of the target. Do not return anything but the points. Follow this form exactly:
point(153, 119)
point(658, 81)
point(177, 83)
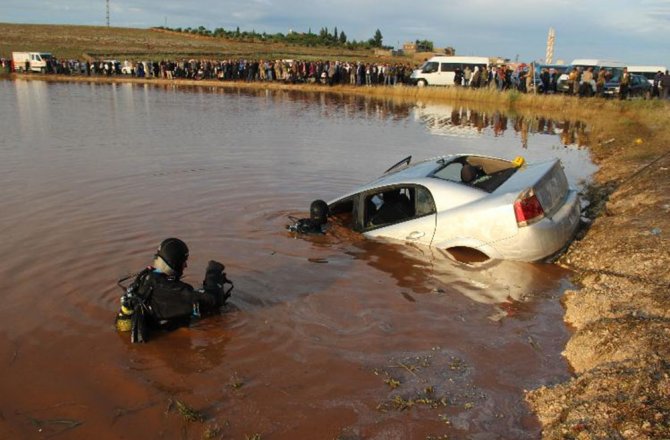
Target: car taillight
point(528, 209)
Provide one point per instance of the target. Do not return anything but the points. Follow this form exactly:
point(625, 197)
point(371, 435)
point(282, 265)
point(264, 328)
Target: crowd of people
point(522, 77)
point(292, 71)
point(502, 77)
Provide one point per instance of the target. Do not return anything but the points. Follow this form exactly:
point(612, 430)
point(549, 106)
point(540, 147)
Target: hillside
point(66, 41)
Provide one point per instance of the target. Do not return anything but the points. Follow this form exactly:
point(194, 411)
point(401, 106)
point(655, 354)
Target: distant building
point(409, 47)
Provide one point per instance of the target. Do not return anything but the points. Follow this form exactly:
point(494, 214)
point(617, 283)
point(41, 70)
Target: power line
point(107, 1)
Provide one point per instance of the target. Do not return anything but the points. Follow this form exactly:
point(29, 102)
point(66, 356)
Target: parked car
point(555, 71)
point(503, 209)
point(648, 72)
point(614, 67)
point(638, 87)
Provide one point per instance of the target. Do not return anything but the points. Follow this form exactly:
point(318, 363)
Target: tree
point(377, 39)
point(424, 46)
point(343, 38)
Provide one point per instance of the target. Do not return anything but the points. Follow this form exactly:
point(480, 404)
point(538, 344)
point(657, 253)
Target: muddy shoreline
point(619, 349)
point(621, 316)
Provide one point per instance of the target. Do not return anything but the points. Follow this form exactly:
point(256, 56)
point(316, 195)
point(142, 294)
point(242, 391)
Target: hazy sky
point(635, 32)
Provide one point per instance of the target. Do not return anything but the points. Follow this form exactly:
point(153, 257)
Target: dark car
point(638, 87)
point(555, 71)
point(612, 68)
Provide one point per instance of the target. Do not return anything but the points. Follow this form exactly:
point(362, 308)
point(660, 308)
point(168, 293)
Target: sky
point(630, 31)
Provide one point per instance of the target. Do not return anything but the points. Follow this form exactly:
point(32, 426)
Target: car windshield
point(429, 67)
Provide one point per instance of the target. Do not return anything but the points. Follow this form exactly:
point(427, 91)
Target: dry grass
point(149, 44)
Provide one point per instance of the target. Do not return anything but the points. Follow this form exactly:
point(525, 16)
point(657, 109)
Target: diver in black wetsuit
point(318, 217)
point(157, 298)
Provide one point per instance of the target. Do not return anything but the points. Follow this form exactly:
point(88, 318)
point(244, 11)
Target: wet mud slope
point(621, 316)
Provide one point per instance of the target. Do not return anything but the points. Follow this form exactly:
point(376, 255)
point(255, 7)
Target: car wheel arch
point(470, 246)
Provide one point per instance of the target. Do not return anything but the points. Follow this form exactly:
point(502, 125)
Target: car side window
point(424, 202)
point(393, 205)
point(448, 67)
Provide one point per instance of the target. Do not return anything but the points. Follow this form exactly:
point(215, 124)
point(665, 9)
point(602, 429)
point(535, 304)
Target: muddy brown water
point(325, 337)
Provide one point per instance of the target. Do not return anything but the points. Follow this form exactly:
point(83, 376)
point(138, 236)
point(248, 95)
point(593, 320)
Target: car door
point(401, 212)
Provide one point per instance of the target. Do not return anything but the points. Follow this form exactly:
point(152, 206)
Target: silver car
point(500, 208)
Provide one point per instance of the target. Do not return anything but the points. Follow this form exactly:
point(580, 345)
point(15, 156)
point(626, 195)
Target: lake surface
point(325, 337)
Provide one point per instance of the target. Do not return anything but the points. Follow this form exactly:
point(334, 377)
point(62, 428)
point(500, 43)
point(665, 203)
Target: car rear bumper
point(544, 238)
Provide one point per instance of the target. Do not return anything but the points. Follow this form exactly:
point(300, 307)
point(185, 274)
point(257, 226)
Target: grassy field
point(152, 44)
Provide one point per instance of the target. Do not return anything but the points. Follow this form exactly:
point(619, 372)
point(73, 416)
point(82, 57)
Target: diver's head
point(173, 253)
point(318, 211)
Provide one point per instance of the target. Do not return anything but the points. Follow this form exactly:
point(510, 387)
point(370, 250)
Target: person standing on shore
point(624, 84)
point(656, 86)
point(545, 79)
point(467, 76)
point(586, 84)
point(665, 85)
point(600, 83)
point(458, 76)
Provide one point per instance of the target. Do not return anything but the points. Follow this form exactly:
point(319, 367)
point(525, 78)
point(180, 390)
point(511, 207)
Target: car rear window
point(491, 172)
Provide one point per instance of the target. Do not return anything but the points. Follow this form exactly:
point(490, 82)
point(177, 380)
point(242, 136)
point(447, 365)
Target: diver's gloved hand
point(215, 277)
point(215, 266)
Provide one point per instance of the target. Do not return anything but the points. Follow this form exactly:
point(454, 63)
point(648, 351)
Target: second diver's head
point(318, 212)
point(171, 257)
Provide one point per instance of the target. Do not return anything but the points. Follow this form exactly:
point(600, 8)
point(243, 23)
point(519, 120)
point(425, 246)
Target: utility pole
point(550, 46)
point(107, 13)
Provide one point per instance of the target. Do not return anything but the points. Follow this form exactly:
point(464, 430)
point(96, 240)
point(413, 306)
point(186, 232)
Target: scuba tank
point(124, 317)
point(132, 316)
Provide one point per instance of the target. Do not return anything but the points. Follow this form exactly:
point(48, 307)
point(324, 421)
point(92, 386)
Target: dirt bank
point(621, 314)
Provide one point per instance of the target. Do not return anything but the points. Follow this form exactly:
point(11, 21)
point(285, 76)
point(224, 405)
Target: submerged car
point(500, 208)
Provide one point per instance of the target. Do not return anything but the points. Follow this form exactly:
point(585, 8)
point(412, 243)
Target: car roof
point(596, 62)
point(652, 69)
point(420, 173)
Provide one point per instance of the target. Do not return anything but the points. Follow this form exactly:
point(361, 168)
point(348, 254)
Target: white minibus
point(439, 70)
point(648, 72)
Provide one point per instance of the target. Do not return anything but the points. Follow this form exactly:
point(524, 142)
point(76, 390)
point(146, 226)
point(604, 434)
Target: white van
point(584, 63)
point(439, 70)
point(37, 61)
point(648, 72)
